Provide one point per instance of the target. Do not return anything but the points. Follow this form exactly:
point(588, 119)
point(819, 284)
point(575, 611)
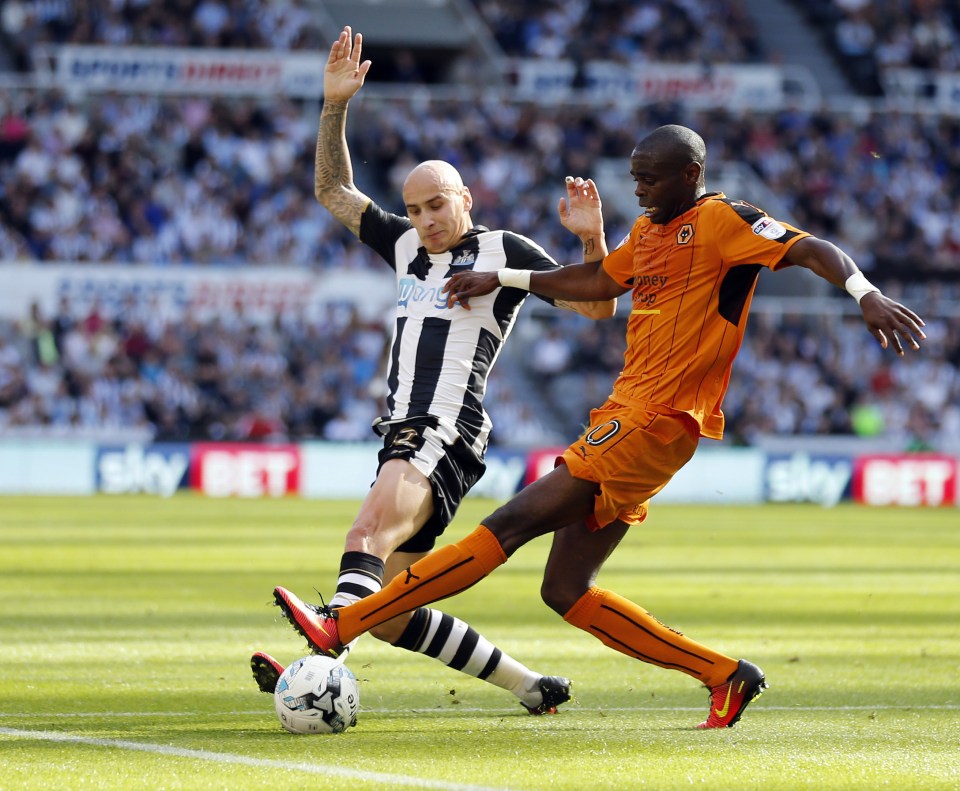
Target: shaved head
point(434, 173)
point(668, 169)
point(676, 145)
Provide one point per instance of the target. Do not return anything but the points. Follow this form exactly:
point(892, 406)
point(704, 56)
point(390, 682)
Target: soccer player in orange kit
point(691, 261)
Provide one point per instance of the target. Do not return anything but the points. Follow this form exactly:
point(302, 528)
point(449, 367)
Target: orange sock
point(631, 630)
point(440, 574)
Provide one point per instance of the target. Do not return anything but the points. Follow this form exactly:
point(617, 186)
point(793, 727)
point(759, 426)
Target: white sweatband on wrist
point(858, 286)
point(515, 278)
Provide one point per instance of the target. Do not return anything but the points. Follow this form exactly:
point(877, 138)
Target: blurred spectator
point(552, 353)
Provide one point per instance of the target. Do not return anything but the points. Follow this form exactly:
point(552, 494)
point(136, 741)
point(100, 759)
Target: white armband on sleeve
point(858, 286)
point(515, 278)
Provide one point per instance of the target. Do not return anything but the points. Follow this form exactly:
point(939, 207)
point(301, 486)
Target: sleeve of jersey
point(523, 253)
point(619, 263)
point(379, 230)
point(749, 236)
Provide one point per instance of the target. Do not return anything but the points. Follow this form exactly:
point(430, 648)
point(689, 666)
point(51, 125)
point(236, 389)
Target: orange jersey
point(692, 280)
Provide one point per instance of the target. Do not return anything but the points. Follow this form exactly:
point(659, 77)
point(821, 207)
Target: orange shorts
point(631, 453)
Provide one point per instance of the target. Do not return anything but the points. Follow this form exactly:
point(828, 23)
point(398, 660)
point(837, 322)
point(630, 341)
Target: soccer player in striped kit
point(691, 261)
point(436, 431)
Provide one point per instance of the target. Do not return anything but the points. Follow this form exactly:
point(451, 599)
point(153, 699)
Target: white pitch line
point(479, 710)
point(389, 780)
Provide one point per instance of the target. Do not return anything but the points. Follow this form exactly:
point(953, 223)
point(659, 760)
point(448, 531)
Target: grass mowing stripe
point(391, 780)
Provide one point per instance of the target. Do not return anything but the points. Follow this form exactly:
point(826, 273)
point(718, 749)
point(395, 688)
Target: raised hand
point(580, 212)
point(344, 74)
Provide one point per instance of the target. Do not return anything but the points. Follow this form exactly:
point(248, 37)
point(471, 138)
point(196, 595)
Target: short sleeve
point(619, 262)
point(380, 230)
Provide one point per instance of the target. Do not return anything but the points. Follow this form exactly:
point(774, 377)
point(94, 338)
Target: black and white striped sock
point(360, 575)
point(461, 647)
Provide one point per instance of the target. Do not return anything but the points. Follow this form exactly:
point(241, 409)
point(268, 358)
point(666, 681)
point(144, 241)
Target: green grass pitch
point(126, 624)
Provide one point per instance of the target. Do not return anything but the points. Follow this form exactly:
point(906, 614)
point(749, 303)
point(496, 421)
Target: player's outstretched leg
point(318, 625)
point(440, 574)
point(728, 700)
point(459, 646)
point(266, 671)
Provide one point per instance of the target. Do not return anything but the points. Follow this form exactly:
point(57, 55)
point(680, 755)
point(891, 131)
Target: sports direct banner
point(692, 84)
point(170, 293)
point(175, 70)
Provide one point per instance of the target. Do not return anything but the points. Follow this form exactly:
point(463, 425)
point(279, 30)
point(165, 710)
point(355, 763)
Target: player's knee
point(512, 527)
point(366, 535)
point(559, 593)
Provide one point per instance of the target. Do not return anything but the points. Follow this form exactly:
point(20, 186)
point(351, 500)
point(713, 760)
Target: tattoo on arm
point(333, 172)
point(589, 246)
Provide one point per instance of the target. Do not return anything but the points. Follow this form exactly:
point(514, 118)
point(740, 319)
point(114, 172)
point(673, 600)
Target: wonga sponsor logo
point(411, 290)
point(801, 477)
point(154, 469)
point(245, 470)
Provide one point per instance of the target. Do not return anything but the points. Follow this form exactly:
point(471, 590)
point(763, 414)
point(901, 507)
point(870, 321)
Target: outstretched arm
point(585, 287)
point(333, 183)
point(574, 283)
point(887, 320)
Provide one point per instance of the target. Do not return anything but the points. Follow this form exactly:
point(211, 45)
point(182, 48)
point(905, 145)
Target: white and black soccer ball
point(317, 694)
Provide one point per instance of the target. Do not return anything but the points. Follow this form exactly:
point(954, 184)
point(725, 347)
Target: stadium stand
point(870, 37)
point(77, 373)
point(232, 181)
point(201, 180)
point(717, 32)
point(26, 25)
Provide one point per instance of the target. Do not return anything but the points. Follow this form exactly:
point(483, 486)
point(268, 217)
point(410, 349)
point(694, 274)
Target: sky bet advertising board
point(807, 478)
point(159, 468)
point(928, 479)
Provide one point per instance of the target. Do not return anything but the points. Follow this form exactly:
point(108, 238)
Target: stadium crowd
point(664, 30)
point(873, 35)
point(197, 180)
point(714, 31)
point(79, 371)
point(26, 25)
point(193, 180)
point(796, 375)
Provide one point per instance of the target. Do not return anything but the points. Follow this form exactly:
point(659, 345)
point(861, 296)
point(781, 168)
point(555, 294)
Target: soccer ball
point(317, 694)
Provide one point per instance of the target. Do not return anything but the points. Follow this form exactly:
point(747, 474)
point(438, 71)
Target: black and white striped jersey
point(441, 357)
